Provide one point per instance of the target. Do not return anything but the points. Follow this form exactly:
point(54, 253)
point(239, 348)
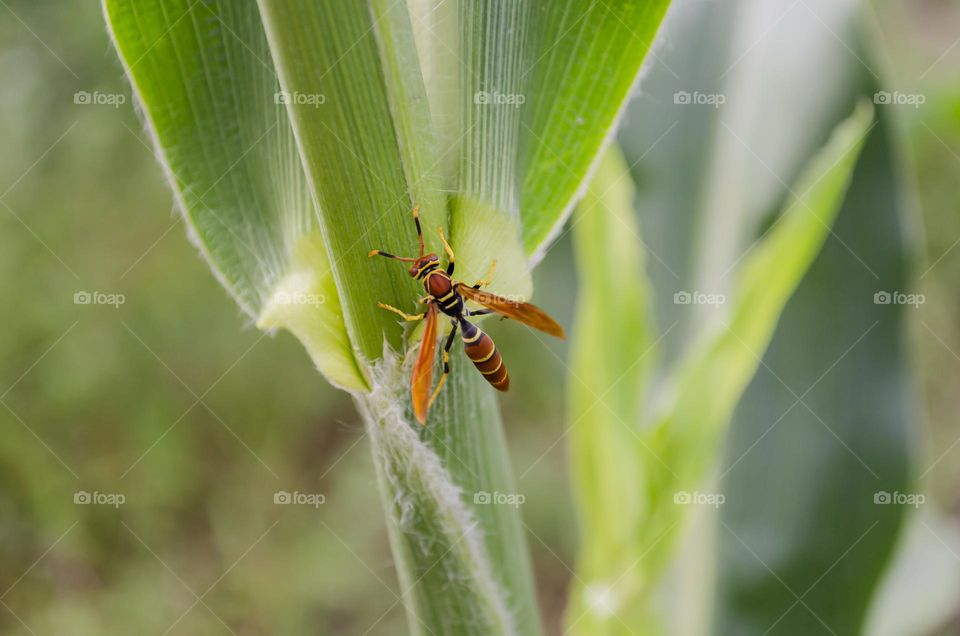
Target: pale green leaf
point(710, 384)
point(673, 440)
point(202, 73)
point(844, 355)
point(711, 177)
point(486, 210)
point(611, 358)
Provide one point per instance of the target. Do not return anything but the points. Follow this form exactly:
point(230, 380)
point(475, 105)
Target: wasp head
point(423, 264)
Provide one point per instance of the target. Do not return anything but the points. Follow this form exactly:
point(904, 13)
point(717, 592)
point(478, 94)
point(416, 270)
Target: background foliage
point(167, 395)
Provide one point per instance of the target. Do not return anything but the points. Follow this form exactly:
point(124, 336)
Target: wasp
point(445, 295)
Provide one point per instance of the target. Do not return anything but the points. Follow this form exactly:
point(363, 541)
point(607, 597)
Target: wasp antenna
point(416, 219)
point(387, 255)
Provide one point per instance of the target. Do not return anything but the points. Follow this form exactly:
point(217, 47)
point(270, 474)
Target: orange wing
point(422, 378)
point(526, 313)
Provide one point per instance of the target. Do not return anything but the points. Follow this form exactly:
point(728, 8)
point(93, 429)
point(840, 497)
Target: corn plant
point(297, 135)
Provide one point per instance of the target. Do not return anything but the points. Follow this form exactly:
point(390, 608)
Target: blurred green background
point(174, 401)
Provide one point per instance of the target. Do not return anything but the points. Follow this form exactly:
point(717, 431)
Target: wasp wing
point(528, 314)
point(422, 378)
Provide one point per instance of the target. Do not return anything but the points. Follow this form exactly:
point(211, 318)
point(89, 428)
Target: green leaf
point(709, 384)
point(709, 182)
point(585, 58)
point(202, 73)
point(665, 449)
point(354, 151)
point(486, 213)
point(829, 411)
point(610, 368)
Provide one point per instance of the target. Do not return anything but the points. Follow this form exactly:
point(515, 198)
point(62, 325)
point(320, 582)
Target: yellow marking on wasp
point(447, 297)
point(475, 337)
point(486, 357)
point(436, 272)
point(494, 371)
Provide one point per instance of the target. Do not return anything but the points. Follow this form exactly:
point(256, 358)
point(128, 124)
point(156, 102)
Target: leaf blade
point(612, 357)
point(201, 73)
point(575, 109)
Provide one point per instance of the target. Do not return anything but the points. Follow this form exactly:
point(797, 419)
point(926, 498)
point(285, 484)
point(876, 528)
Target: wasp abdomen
point(483, 353)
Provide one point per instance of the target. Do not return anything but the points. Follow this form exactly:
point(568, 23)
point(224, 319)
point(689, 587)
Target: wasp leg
point(483, 282)
point(446, 364)
point(446, 248)
point(484, 312)
point(425, 299)
point(402, 314)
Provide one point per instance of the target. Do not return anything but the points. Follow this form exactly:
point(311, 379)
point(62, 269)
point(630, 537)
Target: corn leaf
point(486, 213)
point(202, 73)
point(708, 191)
point(612, 357)
point(297, 139)
point(572, 110)
point(675, 436)
point(709, 384)
point(545, 82)
point(843, 354)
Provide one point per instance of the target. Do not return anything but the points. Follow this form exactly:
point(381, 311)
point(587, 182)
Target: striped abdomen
point(483, 353)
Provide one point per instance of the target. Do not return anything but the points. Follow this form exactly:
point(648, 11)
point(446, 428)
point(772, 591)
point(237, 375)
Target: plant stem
point(463, 565)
